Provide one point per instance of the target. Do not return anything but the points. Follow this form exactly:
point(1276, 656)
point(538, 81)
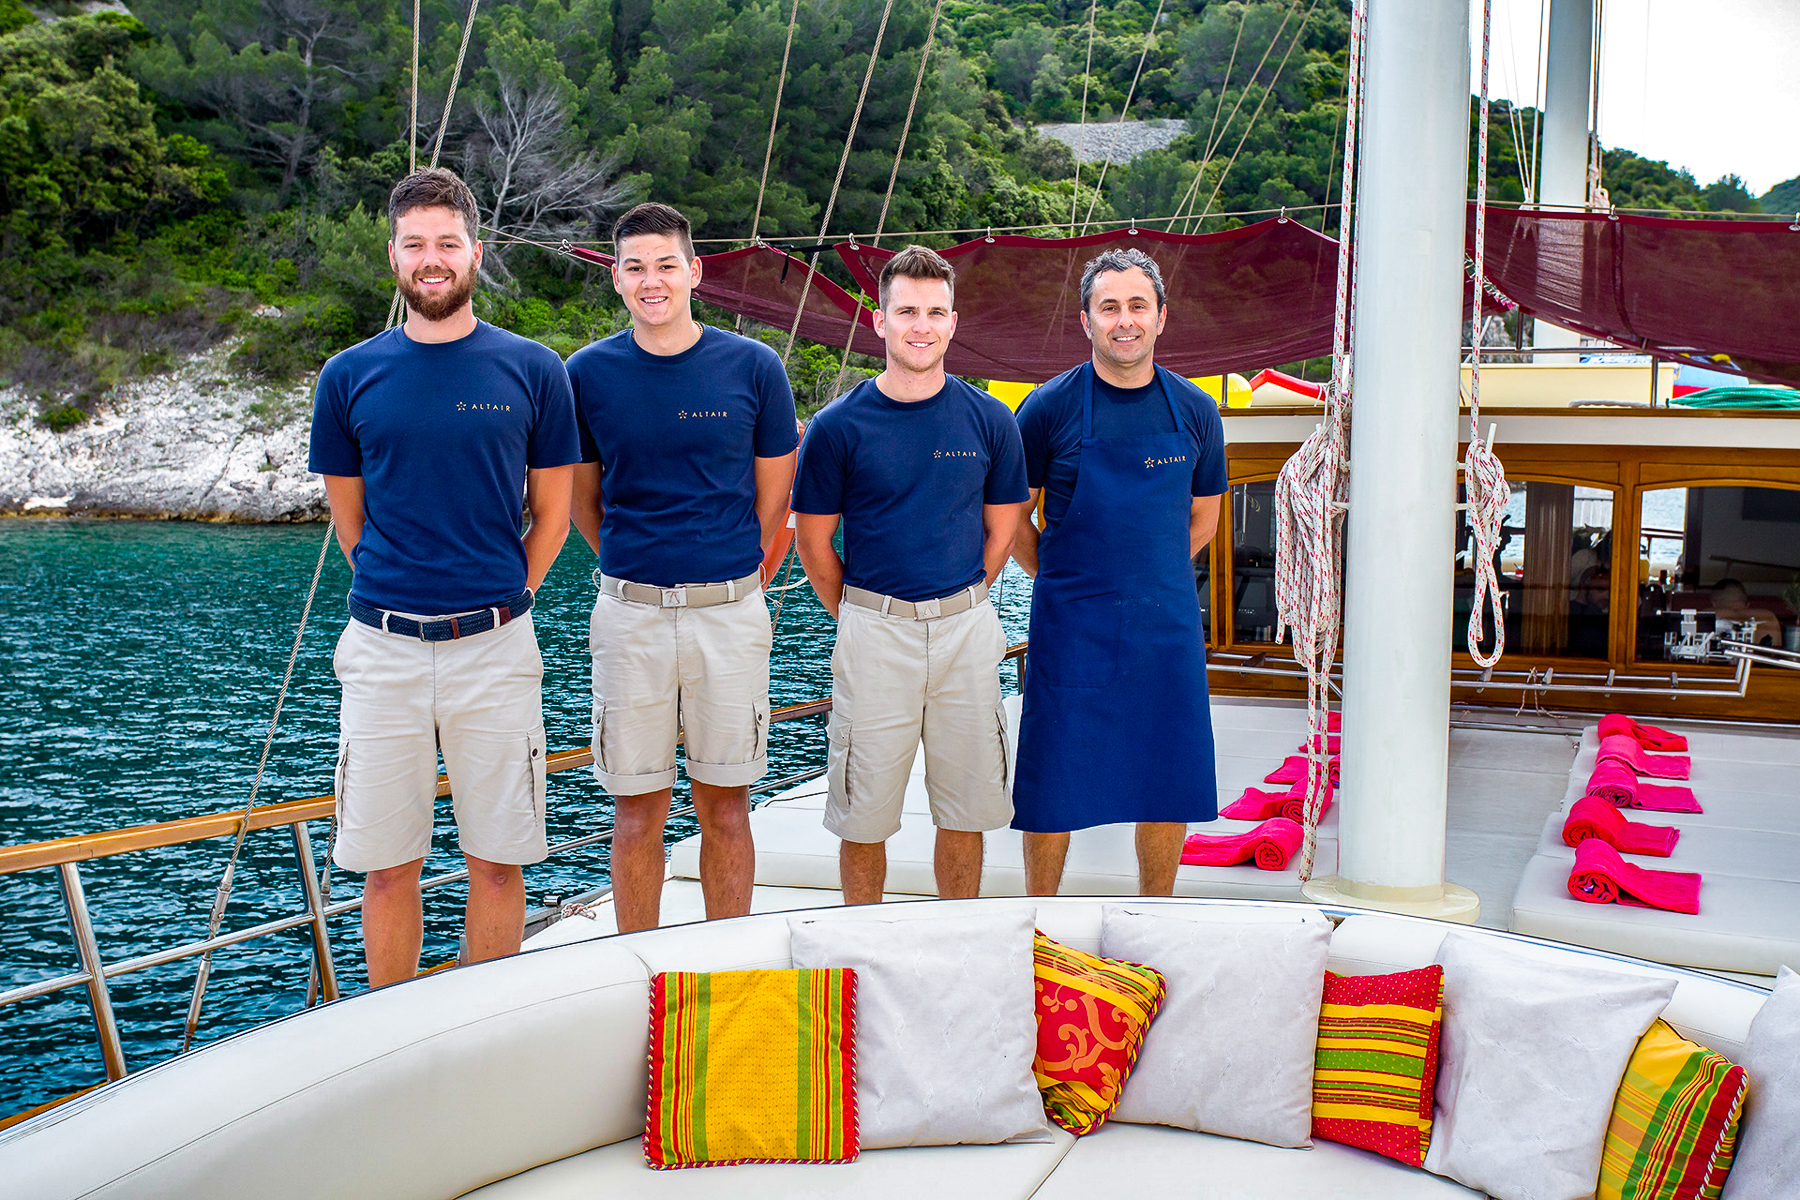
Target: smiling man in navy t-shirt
point(688, 437)
point(430, 436)
point(926, 475)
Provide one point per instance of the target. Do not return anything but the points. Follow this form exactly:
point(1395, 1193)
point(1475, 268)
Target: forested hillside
point(208, 168)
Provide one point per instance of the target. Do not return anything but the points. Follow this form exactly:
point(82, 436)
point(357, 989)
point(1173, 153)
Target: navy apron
point(1116, 724)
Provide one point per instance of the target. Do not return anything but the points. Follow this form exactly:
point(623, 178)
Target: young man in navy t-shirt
point(926, 475)
point(688, 437)
point(430, 436)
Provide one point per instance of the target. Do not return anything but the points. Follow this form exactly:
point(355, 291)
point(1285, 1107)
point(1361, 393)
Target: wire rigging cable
point(812, 262)
point(1081, 129)
point(1124, 111)
point(216, 916)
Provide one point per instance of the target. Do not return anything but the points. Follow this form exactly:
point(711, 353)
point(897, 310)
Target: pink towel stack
point(1258, 805)
point(1293, 770)
point(1600, 876)
point(1592, 817)
point(1620, 748)
point(1270, 846)
point(1619, 786)
point(1647, 736)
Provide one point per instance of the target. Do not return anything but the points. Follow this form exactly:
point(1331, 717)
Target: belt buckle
point(674, 597)
point(928, 610)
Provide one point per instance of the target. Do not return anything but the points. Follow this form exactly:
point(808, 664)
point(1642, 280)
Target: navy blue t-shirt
point(676, 437)
point(1050, 425)
point(910, 478)
point(442, 434)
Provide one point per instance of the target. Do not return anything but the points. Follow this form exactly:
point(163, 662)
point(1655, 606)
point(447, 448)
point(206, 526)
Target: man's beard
point(438, 303)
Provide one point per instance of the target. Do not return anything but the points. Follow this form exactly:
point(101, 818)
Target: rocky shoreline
point(195, 443)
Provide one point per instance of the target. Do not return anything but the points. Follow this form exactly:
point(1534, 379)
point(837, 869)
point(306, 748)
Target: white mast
point(1563, 163)
point(1413, 188)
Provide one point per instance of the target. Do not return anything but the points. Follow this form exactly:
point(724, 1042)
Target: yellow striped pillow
point(751, 1066)
point(1377, 1061)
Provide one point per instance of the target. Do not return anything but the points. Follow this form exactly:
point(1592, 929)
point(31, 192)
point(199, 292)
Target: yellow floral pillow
point(1092, 1015)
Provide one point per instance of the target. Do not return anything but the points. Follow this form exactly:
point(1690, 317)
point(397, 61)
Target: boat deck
point(1506, 777)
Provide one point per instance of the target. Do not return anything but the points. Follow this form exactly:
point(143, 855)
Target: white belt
point(924, 610)
point(687, 595)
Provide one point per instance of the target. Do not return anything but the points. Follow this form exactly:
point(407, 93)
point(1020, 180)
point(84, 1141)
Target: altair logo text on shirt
point(955, 454)
point(684, 414)
point(466, 406)
point(1163, 462)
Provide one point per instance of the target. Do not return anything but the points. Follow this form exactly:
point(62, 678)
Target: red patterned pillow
point(1377, 1062)
point(1092, 1015)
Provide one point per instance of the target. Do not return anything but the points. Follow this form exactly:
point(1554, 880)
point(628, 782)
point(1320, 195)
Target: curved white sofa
point(524, 1079)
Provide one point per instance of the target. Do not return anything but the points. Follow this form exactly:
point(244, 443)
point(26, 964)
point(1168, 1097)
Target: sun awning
point(1261, 295)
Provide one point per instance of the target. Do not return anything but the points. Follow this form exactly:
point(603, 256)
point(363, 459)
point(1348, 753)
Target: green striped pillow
point(1674, 1122)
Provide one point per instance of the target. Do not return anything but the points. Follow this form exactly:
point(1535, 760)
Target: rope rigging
point(837, 182)
point(1124, 111)
point(1484, 479)
point(1311, 493)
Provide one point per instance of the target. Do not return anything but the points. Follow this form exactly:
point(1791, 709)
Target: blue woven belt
point(447, 629)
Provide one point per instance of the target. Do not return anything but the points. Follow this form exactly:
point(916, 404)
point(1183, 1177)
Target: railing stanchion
point(75, 901)
point(323, 974)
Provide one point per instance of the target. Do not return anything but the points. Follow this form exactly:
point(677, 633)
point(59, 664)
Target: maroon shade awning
point(764, 284)
point(1252, 297)
point(1261, 295)
point(1689, 288)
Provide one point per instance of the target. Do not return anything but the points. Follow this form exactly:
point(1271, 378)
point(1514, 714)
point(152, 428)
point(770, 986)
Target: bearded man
point(428, 436)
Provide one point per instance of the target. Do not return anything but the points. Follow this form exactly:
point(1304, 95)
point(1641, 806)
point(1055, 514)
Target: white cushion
point(1768, 1157)
point(1008, 1172)
point(419, 1091)
point(946, 1023)
point(1530, 1061)
point(1232, 1050)
point(1151, 1161)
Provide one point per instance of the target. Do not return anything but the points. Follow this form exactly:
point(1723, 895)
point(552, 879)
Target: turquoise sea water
point(139, 662)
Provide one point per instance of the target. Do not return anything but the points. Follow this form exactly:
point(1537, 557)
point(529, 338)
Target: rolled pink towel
point(1592, 817)
point(1258, 805)
point(1293, 770)
point(1333, 744)
point(1619, 786)
point(1270, 846)
point(1600, 876)
point(1647, 736)
point(1623, 749)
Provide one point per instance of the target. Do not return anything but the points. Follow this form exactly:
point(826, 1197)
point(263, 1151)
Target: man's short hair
point(916, 262)
point(654, 217)
point(434, 187)
point(1120, 260)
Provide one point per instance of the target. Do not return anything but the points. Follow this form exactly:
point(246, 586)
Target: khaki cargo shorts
point(896, 680)
point(698, 676)
point(479, 699)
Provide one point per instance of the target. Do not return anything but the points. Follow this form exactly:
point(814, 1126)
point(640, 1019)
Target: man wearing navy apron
point(1130, 461)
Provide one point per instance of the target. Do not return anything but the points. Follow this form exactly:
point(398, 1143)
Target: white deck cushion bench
point(531, 1071)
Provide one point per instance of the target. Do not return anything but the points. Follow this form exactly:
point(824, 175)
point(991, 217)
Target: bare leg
point(862, 871)
point(637, 858)
point(393, 923)
point(956, 861)
point(1044, 855)
point(1158, 854)
point(727, 855)
point(494, 920)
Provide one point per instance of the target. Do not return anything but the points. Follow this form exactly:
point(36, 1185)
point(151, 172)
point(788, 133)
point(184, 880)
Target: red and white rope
point(1311, 494)
point(1484, 479)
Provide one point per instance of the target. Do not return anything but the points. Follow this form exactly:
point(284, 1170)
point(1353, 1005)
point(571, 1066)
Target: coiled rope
point(1312, 490)
point(1484, 479)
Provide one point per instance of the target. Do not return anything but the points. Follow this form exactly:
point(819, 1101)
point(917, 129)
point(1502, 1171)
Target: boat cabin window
point(1554, 568)
point(1253, 561)
point(1711, 554)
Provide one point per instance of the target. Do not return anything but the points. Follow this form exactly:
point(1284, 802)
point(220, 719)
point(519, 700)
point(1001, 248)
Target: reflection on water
point(138, 665)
